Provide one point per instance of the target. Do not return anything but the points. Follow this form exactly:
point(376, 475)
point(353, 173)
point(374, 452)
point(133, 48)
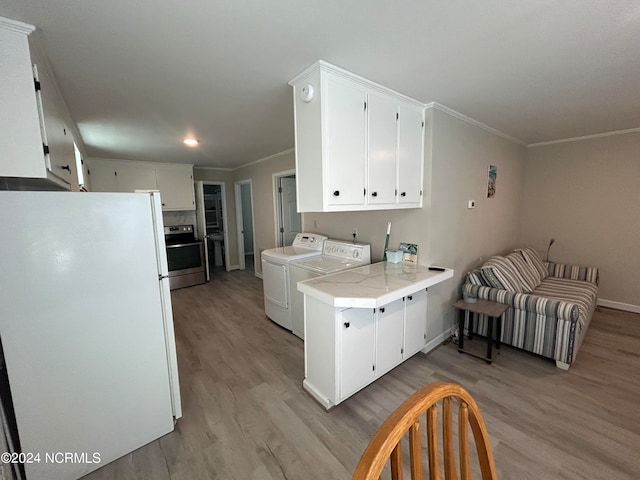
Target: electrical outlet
point(471, 204)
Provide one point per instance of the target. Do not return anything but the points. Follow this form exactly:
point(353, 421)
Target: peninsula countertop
point(372, 286)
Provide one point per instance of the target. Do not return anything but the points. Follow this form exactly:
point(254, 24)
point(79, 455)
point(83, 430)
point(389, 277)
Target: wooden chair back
point(386, 444)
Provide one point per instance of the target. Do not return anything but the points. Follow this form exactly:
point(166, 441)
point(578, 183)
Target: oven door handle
point(184, 245)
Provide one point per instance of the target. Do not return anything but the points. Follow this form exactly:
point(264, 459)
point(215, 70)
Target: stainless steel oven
point(185, 256)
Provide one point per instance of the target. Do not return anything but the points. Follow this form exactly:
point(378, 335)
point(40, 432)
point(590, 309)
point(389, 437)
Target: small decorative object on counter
point(394, 256)
point(409, 253)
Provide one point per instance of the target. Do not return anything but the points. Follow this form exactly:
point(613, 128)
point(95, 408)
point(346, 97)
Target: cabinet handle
point(403, 194)
point(346, 324)
point(374, 194)
point(336, 193)
point(66, 167)
point(410, 297)
point(381, 309)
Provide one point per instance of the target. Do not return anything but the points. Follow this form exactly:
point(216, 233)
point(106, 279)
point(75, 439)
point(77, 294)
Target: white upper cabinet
point(383, 158)
point(359, 145)
point(345, 143)
point(35, 140)
point(410, 153)
point(175, 181)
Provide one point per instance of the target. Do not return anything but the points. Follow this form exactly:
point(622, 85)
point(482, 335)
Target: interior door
point(202, 224)
point(291, 219)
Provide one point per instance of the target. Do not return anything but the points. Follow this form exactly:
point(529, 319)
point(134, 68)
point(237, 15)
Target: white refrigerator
point(86, 327)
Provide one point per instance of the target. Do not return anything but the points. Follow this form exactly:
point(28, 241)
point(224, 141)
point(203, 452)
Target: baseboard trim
point(627, 307)
point(436, 342)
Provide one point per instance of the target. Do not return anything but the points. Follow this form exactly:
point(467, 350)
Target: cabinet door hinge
point(36, 85)
point(374, 368)
point(45, 149)
point(402, 350)
point(397, 115)
point(281, 230)
point(365, 106)
point(279, 189)
point(422, 124)
point(396, 193)
point(420, 192)
point(365, 192)
point(424, 336)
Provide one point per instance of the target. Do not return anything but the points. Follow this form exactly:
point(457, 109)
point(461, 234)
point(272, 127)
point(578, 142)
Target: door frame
point(239, 224)
point(277, 203)
point(225, 228)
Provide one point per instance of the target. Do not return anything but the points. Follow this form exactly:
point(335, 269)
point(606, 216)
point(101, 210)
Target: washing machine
point(275, 274)
point(337, 255)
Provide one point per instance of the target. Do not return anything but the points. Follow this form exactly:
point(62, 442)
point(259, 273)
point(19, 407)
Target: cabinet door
point(345, 126)
point(389, 336)
point(415, 322)
point(136, 177)
point(175, 183)
point(102, 176)
point(383, 136)
point(410, 154)
point(356, 350)
point(54, 129)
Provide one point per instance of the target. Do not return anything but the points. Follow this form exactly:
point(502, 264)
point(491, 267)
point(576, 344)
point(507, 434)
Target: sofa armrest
point(560, 309)
point(574, 272)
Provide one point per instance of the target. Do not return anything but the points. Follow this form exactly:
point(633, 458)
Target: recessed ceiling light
point(191, 142)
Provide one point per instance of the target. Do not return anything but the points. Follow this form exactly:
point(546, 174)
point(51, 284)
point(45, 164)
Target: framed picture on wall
point(491, 184)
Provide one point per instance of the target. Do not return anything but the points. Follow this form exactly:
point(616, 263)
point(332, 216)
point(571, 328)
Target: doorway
point(211, 213)
point(244, 216)
point(288, 220)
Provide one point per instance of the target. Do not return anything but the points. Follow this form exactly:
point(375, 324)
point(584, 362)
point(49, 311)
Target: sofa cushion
point(534, 260)
point(584, 294)
point(528, 275)
point(498, 272)
point(475, 278)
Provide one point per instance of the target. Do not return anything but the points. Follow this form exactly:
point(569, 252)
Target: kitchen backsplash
point(179, 218)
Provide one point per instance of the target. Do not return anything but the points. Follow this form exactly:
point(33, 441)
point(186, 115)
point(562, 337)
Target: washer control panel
point(309, 240)
point(347, 250)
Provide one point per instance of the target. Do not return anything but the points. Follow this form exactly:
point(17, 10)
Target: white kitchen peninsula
point(361, 323)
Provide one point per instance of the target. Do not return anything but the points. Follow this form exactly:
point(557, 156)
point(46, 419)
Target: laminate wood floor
point(247, 417)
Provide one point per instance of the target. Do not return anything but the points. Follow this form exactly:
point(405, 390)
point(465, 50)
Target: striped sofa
point(550, 304)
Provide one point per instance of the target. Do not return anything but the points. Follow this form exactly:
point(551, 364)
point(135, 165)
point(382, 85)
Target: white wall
point(585, 195)
point(458, 236)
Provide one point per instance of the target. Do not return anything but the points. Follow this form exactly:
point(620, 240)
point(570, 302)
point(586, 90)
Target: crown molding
point(16, 26)
point(585, 137)
point(464, 118)
point(219, 169)
point(290, 150)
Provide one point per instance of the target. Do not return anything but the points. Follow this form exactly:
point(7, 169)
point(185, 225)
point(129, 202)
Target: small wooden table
point(485, 307)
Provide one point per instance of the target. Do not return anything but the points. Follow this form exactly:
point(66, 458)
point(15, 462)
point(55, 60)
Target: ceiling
point(138, 76)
